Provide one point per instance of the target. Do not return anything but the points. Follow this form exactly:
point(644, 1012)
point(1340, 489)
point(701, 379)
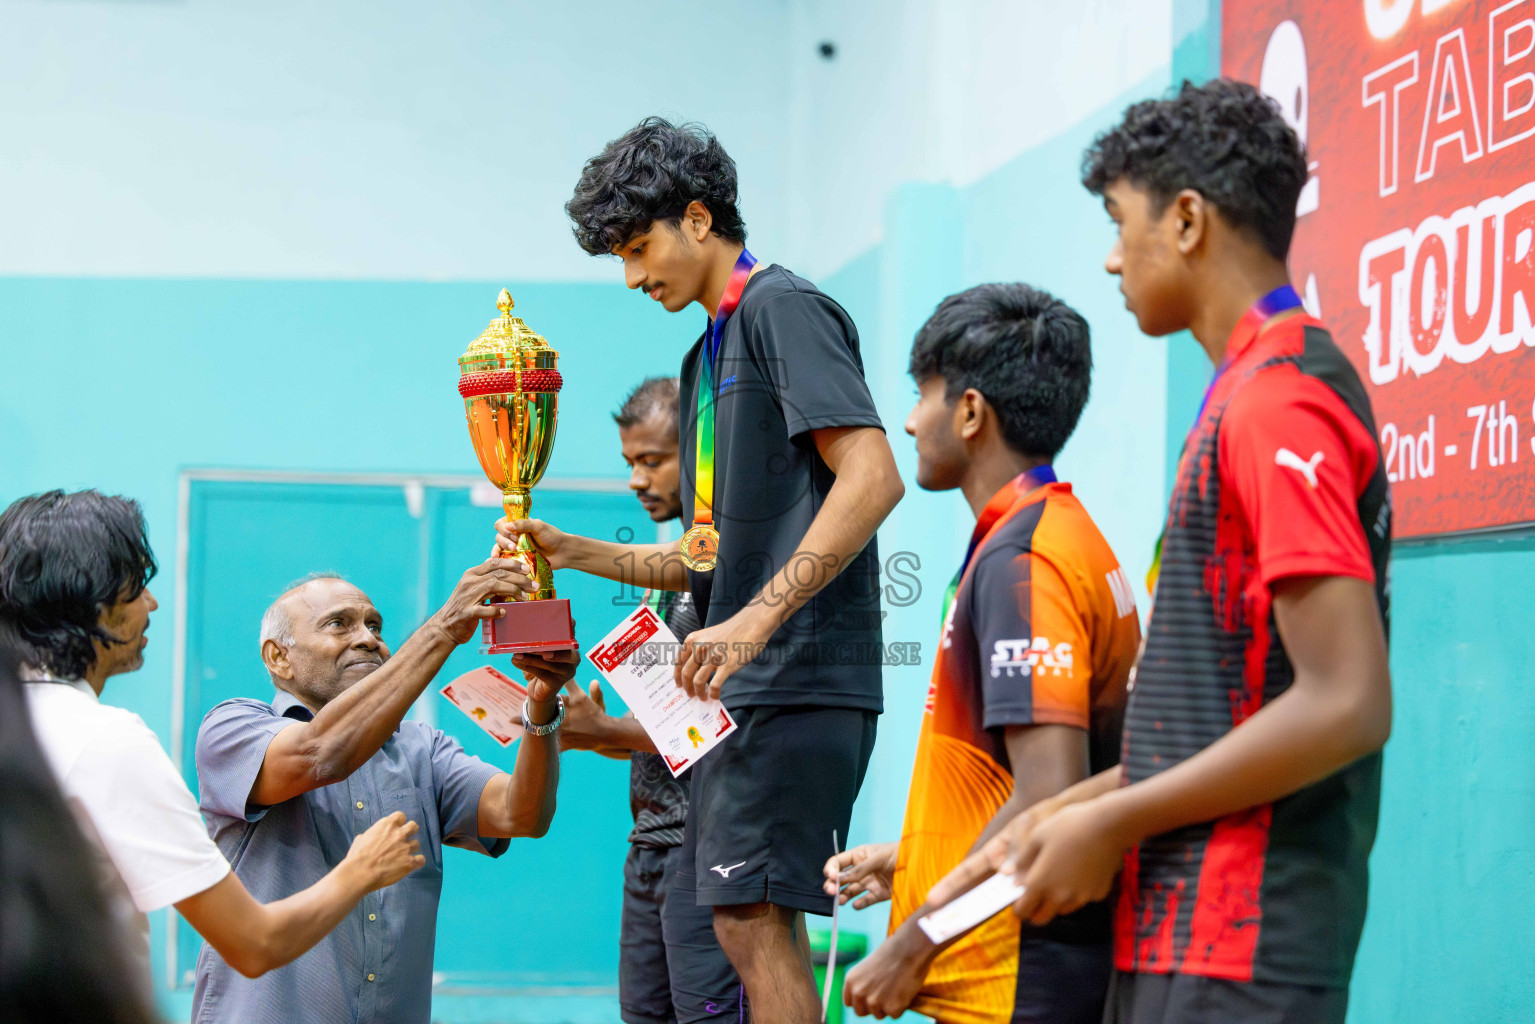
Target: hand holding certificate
point(635, 658)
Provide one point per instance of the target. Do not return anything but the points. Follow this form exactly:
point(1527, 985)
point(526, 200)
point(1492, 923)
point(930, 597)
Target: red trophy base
point(529, 627)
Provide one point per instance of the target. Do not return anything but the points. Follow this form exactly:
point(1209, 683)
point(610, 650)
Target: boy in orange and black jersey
point(1028, 687)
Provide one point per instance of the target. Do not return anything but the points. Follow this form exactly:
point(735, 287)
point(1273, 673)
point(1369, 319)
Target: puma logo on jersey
point(1031, 657)
point(725, 872)
point(1306, 467)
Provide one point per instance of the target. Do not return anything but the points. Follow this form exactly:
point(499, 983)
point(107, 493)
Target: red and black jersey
point(1282, 476)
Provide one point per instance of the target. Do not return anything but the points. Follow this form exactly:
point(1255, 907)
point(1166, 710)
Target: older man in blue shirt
point(286, 785)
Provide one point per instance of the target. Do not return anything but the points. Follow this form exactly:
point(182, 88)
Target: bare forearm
point(293, 925)
point(858, 502)
point(254, 938)
point(1047, 760)
point(643, 566)
point(1010, 809)
point(625, 734)
point(530, 794)
point(350, 729)
point(1106, 781)
point(1300, 738)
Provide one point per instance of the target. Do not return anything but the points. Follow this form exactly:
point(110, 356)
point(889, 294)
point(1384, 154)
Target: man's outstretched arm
point(352, 727)
point(588, 726)
point(642, 566)
point(254, 938)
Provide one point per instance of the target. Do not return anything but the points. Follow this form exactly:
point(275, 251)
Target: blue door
point(533, 935)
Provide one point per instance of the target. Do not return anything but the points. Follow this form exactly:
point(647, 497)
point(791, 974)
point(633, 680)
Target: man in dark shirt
point(1246, 806)
point(786, 475)
point(670, 965)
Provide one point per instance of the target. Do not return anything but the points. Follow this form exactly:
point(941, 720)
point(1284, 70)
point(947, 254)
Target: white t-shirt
point(112, 768)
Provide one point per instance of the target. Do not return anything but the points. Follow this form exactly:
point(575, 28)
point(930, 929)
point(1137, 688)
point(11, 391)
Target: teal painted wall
point(1452, 879)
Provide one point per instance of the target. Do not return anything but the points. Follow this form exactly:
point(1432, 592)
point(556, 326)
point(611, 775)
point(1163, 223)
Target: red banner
point(1414, 241)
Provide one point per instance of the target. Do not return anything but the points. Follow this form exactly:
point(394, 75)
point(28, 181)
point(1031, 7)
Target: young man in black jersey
point(786, 474)
point(1243, 849)
point(670, 966)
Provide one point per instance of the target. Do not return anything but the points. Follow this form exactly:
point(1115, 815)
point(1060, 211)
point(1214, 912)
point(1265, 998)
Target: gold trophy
point(511, 393)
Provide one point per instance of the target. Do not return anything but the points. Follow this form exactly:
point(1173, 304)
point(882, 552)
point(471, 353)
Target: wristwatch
point(549, 726)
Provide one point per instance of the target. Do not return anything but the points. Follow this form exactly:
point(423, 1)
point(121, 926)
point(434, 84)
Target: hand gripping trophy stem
point(510, 386)
point(518, 504)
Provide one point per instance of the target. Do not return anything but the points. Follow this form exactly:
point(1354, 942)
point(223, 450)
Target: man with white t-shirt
point(74, 575)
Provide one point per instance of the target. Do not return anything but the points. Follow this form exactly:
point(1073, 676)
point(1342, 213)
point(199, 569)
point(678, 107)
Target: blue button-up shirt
point(377, 964)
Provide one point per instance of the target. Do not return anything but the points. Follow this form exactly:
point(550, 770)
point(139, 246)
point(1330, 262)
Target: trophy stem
point(518, 504)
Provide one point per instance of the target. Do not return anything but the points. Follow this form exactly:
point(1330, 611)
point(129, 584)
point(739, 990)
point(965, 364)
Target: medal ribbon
point(1000, 504)
point(1281, 300)
point(703, 498)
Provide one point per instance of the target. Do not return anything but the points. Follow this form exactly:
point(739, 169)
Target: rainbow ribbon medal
point(701, 544)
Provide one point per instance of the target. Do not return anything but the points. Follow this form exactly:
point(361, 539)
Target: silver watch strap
point(548, 727)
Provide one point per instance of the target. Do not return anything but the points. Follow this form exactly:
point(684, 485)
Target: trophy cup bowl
point(511, 388)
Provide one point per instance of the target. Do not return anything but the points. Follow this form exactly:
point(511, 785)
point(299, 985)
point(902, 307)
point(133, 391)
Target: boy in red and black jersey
point(1246, 806)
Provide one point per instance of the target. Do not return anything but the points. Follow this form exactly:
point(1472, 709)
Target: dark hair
point(650, 173)
point(1225, 140)
point(1027, 352)
point(63, 954)
point(63, 559)
point(653, 395)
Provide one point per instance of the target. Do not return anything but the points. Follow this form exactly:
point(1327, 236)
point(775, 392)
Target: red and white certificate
point(493, 700)
point(637, 659)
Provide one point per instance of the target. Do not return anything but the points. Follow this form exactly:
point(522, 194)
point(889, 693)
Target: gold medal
point(701, 548)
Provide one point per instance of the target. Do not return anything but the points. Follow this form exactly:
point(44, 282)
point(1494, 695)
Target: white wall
point(943, 91)
point(385, 140)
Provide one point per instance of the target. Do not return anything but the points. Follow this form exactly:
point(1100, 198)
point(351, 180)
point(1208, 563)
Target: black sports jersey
point(788, 365)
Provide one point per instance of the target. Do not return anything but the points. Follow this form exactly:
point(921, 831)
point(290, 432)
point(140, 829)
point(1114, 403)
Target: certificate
point(492, 700)
point(637, 660)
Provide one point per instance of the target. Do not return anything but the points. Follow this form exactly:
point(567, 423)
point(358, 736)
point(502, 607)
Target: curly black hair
point(1027, 352)
point(650, 173)
point(63, 559)
point(1225, 140)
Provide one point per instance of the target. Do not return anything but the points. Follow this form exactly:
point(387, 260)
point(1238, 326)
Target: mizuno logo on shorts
point(725, 872)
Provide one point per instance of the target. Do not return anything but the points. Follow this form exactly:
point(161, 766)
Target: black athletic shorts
point(1189, 999)
point(1061, 982)
point(671, 969)
point(766, 801)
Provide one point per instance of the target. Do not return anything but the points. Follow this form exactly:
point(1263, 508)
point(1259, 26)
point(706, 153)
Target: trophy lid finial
point(505, 335)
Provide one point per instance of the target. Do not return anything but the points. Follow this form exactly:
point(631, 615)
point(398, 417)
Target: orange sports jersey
point(1042, 630)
